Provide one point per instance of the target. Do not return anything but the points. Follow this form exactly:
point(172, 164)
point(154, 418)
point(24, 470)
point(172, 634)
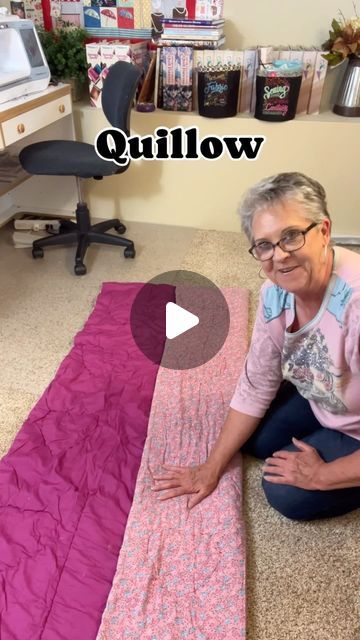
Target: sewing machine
point(23, 66)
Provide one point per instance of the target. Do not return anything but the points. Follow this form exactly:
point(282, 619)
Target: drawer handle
point(62, 108)
point(21, 128)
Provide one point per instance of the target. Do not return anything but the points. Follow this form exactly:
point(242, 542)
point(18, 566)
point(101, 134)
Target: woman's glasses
point(291, 241)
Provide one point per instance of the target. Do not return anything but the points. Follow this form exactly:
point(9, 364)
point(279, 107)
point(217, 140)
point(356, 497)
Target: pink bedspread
point(181, 573)
point(67, 483)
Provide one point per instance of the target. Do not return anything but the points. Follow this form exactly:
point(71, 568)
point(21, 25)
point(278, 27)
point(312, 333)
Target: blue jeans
point(288, 416)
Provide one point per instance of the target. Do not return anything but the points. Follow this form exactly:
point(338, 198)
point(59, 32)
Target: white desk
point(41, 116)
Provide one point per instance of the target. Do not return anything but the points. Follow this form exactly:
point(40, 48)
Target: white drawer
point(23, 125)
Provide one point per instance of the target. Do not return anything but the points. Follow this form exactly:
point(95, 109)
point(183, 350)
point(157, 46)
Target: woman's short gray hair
point(305, 191)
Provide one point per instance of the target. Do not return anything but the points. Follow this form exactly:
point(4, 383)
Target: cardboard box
point(309, 58)
point(177, 78)
point(318, 83)
point(100, 57)
point(93, 58)
point(248, 77)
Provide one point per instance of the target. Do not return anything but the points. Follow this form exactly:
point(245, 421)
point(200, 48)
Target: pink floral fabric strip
point(181, 573)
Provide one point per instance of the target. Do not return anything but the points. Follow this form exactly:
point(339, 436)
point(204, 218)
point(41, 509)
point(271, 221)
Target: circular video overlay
point(180, 319)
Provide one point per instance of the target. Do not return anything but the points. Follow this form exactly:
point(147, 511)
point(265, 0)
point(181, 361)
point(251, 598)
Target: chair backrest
point(118, 94)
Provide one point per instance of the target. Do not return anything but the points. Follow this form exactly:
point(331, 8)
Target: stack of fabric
point(193, 33)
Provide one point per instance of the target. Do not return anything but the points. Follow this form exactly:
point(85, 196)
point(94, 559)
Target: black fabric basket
point(218, 93)
point(277, 97)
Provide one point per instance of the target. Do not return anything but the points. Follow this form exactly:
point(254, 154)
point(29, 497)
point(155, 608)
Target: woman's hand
point(300, 469)
point(199, 481)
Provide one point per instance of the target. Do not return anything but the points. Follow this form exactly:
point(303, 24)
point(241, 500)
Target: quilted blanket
point(181, 573)
point(67, 482)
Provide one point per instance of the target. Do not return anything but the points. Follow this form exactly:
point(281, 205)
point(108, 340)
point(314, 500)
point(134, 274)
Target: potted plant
point(344, 43)
point(64, 49)
point(344, 40)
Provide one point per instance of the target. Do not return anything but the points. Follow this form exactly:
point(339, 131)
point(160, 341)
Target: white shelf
point(325, 116)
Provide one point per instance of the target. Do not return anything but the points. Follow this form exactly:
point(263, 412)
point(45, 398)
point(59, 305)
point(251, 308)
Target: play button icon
point(180, 319)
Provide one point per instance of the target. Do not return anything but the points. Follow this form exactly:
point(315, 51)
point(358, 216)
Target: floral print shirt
point(322, 358)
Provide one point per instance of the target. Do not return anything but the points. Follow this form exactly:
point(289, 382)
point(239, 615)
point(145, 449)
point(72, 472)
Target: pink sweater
point(322, 359)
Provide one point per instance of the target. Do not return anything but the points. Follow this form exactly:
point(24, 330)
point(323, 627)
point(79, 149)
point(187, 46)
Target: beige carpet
point(303, 578)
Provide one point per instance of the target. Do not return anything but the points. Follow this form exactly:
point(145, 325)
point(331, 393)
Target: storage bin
point(218, 93)
point(277, 92)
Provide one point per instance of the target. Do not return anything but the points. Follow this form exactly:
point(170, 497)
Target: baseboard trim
point(351, 240)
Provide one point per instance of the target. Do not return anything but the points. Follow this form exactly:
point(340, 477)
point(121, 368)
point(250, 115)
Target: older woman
point(297, 402)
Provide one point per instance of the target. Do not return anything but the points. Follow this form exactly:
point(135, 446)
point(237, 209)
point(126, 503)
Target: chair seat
point(66, 158)
point(78, 159)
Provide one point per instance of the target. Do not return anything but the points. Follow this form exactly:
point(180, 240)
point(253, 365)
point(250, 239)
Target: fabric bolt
point(67, 482)
point(181, 573)
point(322, 359)
point(142, 13)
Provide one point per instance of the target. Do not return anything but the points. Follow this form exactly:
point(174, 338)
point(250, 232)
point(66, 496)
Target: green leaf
point(333, 58)
point(336, 28)
point(65, 52)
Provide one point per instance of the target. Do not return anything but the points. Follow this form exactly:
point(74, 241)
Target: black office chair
point(71, 158)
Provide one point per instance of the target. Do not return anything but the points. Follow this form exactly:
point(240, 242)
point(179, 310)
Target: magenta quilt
point(67, 482)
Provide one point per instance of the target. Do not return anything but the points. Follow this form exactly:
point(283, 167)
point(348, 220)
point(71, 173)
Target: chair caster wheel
point(120, 228)
point(129, 252)
point(80, 269)
point(37, 252)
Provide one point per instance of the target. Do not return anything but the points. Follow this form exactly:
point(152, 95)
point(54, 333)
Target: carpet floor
point(302, 578)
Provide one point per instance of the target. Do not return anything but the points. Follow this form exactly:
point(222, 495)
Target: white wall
point(205, 194)
point(277, 22)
